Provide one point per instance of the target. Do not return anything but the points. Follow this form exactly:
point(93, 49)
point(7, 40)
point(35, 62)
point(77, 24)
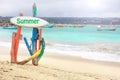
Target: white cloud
point(75, 8)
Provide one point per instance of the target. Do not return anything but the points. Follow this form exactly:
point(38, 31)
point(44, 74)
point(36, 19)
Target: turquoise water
point(73, 35)
point(86, 42)
point(78, 35)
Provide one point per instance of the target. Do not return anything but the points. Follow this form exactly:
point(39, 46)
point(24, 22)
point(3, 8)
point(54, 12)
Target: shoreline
point(22, 51)
point(60, 57)
point(75, 58)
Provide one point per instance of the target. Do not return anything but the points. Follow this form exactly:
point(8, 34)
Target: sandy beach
point(74, 40)
point(57, 67)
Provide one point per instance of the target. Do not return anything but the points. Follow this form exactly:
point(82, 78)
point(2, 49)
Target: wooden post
point(40, 38)
point(15, 43)
point(34, 44)
point(12, 53)
point(35, 36)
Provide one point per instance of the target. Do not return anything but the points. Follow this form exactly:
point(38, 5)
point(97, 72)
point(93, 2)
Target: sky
point(62, 8)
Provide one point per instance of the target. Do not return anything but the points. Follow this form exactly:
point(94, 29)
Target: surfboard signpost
point(36, 41)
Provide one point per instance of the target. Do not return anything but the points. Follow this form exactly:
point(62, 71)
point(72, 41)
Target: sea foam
point(84, 51)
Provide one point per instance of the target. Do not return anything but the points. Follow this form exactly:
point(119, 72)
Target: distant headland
point(5, 21)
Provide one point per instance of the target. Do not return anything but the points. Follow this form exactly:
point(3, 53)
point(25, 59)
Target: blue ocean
point(86, 42)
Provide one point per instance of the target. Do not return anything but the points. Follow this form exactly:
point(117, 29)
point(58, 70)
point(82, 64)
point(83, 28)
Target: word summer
point(27, 21)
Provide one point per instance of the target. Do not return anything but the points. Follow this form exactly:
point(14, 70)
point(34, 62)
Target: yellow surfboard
point(30, 58)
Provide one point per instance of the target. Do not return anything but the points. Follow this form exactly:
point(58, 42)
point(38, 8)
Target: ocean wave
point(100, 52)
